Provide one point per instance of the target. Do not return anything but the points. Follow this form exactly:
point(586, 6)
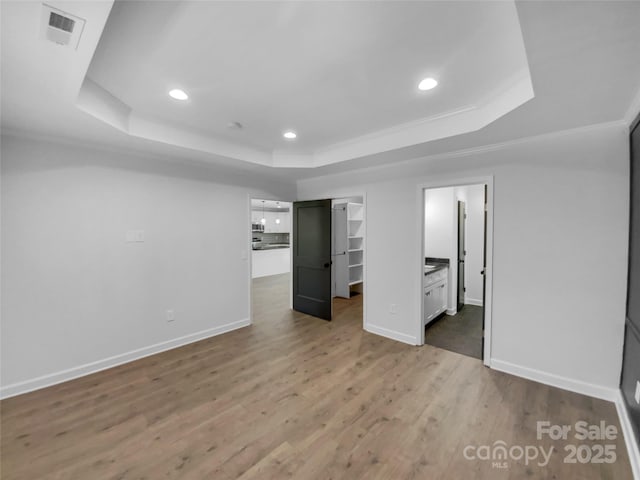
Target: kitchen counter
point(432, 265)
point(270, 261)
point(272, 246)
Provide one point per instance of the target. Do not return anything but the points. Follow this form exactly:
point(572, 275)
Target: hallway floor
point(460, 333)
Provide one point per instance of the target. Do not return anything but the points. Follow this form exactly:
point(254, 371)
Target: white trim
point(250, 259)
point(473, 150)
point(473, 301)
point(453, 181)
point(633, 110)
point(451, 311)
point(110, 362)
point(365, 282)
point(110, 148)
point(392, 334)
point(255, 196)
point(565, 383)
point(632, 446)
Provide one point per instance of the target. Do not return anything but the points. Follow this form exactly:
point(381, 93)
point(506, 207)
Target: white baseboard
point(577, 386)
point(392, 334)
point(69, 374)
point(473, 301)
point(629, 437)
point(451, 311)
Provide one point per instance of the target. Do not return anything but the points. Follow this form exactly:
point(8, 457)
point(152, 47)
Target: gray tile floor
point(460, 333)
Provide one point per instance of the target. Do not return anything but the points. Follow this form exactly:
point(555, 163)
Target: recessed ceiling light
point(427, 84)
point(289, 135)
point(178, 94)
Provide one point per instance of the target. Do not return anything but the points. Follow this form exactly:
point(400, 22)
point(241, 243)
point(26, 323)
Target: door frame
point(253, 196)
point(450, 181)
point(461, 278)
point(334, 196)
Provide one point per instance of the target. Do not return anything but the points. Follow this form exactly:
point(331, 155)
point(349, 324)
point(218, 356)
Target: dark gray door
point(312, 258)
point(461, 254)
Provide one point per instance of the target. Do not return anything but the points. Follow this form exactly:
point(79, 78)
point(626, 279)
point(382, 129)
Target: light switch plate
point(171, 315)
point(637, 396)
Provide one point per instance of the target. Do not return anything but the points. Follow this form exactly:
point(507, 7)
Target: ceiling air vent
point(61, 27)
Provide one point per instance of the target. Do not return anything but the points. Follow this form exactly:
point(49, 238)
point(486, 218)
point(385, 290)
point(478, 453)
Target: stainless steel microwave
point(257, 227)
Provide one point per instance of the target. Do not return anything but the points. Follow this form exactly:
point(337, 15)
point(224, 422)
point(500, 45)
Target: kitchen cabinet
point(271, 224)
point(270, 262)
point(435, 294)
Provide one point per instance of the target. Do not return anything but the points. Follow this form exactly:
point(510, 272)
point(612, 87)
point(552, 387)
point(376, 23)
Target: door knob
point(326, 265)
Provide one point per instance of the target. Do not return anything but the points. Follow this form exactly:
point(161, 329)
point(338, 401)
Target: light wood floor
point(292, 397)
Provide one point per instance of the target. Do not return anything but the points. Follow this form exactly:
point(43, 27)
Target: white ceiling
point(581, 58)
point(331, 71)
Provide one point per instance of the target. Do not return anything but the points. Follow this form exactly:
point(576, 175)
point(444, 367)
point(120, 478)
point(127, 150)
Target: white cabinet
point(270, 222)
point(270, 262)
point(435, 294)
point(281, 222)
point(275, 222)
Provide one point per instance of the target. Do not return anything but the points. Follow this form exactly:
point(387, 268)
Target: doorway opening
point(328, 258)
point(456, 251)
point(270, 265)
point(348, 237)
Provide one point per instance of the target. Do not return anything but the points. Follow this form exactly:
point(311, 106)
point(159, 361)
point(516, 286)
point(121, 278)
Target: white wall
point(73, 292)
point(441, 233)
point(439, 223)
point(560, 248)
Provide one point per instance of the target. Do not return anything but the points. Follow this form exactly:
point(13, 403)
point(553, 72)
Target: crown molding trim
point(633, 111)
point(483, 148)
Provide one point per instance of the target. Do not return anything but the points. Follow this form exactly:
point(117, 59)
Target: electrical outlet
point(637, 395)
point(171, 315)
point(393, 308)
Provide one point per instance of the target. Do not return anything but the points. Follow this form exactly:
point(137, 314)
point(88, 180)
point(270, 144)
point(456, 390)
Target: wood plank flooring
point(293, 397)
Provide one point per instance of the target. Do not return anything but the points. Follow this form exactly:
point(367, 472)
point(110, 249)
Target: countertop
point(272, 246)
point(436, 268)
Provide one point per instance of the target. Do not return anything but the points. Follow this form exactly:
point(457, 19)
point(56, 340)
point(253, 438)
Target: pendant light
point(278, 219)
point(263, 220)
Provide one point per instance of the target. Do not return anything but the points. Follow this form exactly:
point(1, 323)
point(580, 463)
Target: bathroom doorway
point(455, 313)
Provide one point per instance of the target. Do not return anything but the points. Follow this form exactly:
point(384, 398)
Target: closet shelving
point(350, 272)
